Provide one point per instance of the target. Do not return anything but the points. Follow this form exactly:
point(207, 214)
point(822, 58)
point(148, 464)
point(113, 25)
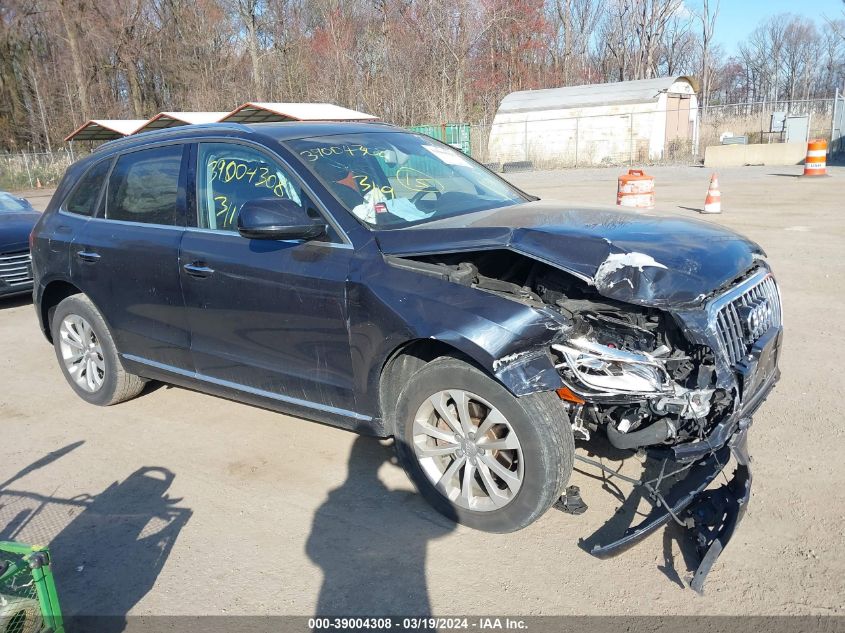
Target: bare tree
point(573, 23)
point(833, 59)
point(801, 51)
point(250, 13)
point(617, 40)
point(707, 15)
point(409, 61)
point(651, 17)
point(70, 13)
point(677, 47)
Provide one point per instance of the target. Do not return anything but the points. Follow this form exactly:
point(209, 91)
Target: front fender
point(506, 338)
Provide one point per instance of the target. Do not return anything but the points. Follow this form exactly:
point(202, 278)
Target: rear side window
point(83, 200)
point(144, 186)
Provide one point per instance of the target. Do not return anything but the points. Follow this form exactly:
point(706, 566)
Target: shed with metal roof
point(612, 123)
point(265, 112)
point(105, 129)
point(252, 112)
point(175, 119)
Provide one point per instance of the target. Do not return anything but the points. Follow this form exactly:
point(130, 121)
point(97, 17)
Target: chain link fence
point(624, 137)
point(585, 141)
point(837, 128)
point(31, 170)
point(754, 120)
point(609, 140)
point(652, 137)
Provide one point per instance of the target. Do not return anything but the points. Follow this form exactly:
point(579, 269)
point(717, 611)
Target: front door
point(266, 316)
point(126, 257)
point(678, 124)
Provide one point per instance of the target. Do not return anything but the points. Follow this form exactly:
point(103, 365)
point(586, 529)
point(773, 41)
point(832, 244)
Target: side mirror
point(277, 219)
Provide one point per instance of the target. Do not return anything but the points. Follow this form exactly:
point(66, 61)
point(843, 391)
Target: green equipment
point(28, 600)
point(458, 135)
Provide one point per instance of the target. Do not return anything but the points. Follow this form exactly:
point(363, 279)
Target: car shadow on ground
point(109, 555)
point(7, 303)
point(370, 542)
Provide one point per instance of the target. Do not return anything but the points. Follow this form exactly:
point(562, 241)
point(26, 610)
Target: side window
point(229, 175)
point(83, 200)
point(144, 186)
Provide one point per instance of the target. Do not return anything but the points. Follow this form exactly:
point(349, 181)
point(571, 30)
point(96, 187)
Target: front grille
point(745, 314)
point(16, 269)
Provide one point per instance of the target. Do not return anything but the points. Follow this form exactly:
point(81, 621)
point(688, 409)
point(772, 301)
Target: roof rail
point(175, 131)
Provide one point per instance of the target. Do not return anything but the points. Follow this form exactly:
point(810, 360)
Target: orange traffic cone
point(38, 184)
point(713, 202)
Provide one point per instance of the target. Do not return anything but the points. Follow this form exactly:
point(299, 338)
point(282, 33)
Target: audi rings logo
point(756, 318)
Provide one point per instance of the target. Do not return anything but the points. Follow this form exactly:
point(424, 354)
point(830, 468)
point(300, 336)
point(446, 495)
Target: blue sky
point(737, 18)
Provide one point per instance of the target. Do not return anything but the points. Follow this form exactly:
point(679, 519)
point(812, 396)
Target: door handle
point(198, 269)
point(88, 256)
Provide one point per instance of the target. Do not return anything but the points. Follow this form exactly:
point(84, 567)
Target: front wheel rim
point(82, 353)
point(468, 450)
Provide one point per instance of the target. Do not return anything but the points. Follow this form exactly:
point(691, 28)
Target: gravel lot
point(183, 503)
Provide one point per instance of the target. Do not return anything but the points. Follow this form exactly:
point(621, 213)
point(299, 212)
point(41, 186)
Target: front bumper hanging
point(709, 517)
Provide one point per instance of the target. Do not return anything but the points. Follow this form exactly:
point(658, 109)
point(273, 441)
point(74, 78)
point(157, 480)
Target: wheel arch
point(53, 294)
point(403, 362)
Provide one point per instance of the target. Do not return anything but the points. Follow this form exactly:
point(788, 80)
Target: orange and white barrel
point(636, 190)
point(816, 162)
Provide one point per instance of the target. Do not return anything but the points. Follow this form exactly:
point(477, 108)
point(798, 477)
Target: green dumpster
point(455, 134)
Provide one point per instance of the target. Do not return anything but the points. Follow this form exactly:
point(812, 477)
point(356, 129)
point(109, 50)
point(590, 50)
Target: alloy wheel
point(82, 353)
point(468, 450)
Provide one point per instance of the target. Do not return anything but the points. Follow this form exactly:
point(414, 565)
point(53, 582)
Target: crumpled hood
point(15, 229)
point(636, 258)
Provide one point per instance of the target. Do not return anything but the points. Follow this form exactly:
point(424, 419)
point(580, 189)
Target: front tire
point(87, 354)
point(478, 454)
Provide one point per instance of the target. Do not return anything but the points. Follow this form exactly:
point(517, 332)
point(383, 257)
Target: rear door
point(56, 232)
point(268, 317)
point(126, 257)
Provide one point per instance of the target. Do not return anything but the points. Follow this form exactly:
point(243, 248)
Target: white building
point(615, 123)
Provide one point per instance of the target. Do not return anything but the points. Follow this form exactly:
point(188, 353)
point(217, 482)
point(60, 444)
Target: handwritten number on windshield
point(316, 153)
point(416, 180)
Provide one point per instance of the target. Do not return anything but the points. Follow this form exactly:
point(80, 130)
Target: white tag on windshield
point(451, 158)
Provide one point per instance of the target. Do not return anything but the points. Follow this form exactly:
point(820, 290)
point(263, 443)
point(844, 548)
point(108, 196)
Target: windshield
point(12, 204)
point(396, 180)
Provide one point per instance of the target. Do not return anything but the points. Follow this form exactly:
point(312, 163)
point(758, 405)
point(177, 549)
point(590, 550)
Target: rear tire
point(87, 354)
point(518, 463)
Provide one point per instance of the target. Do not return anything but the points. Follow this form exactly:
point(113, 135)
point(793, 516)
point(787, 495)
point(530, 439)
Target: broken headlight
point(608, 370)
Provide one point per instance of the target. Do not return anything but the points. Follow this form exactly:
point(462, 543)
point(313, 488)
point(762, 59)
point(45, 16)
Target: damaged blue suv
point(378, 280)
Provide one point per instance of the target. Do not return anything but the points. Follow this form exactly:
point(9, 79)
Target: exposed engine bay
point(680, 385)
point(630, 369)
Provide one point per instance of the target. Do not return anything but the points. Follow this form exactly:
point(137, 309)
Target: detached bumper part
point(716, 513)
point(709, 517)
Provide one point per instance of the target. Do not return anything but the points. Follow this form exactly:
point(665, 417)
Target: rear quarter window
point(84, 197)
point(144, 186)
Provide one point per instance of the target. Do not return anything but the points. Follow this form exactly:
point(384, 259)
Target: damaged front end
point(677, 383)
point(680, 387)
